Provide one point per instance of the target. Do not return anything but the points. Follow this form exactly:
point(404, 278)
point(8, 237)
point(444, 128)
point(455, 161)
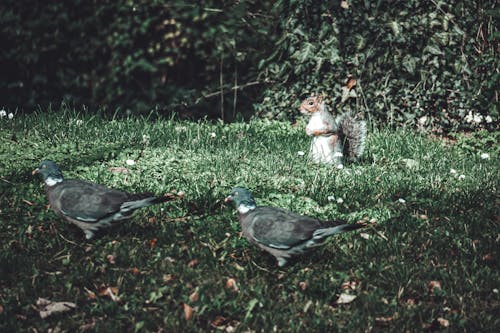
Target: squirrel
point(333, 137)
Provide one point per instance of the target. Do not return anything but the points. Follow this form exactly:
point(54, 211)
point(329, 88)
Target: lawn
point(428, 259)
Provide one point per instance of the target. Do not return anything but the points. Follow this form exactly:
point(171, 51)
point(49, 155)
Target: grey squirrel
point(333, 137)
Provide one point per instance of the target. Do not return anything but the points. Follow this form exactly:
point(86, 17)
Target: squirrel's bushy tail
point(354, 135)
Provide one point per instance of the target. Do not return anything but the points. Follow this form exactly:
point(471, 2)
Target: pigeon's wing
point(86, 201)
point(280, 228)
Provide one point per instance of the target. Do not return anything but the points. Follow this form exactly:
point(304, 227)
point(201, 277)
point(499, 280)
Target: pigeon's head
point(50, 172)
point(242, 199)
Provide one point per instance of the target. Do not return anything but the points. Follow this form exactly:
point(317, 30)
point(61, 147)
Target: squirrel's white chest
point(322, 149)
point(317, 123)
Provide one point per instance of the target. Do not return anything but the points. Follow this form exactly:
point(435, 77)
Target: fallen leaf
point(193, 263)
point(218, 321)
point(443, 322)
point(152, 219)
point(303, 285)
point(351, 82)
point(90, 294)
point(118, 170)
point(1, 309)
point(364, 235)
point(168, 277)
point(152, 243)
point(111, 292)
point(231, 284)
point(135, 271)
point(351, 285)
point(345, 298)
point(488, 257)
point(47, 307)
point(433, 286)
point(384, 320)
point(188, 311)
point(111, 259)
point(344, 4)
point(194, 296)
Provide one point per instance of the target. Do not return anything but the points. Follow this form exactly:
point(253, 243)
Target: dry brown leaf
point(384, 320)
point(351, 82)
point(111, 292)
point(344, 4)
point(194, 296)
point(193, 263)
point(346, 298)
point(1, 309)
point(152, 219)
point(433, 286)
point(351, 285)
point(443, 322)
point(90, 294)
point(188, 311)
point(218, 321)
point(135, 271)
point(364, 235)
point(303, 285)
point(488, 257)
point(167, 278)
point(111, 259)
point(152, 242)
point(231, 284)
point(47, 307)
point(118, 170)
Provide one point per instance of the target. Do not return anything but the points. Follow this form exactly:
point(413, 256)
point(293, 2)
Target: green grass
point(444, 229)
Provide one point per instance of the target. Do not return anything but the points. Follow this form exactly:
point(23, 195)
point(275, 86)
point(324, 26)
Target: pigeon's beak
point(34, 172)
point(228, 199)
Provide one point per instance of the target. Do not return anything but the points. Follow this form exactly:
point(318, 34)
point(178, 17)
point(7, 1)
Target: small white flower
point(213, 135)
point(340, 166)
point(145, 139)
point(130, 162)
point(461, 177)
point(488, 119)
point(401, 200)
point(301, 153)
point(79, 122)
point(330, 198)
point(3, 113)
point(340, 200)
point(485, 156)
point(478, 119)
point(495, 291)
point(453, 171)
point(469, 117)
point(422, 120)
point(10, 116)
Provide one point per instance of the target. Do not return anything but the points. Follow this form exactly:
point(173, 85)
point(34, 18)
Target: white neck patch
point(243, 209)
point(52, 181)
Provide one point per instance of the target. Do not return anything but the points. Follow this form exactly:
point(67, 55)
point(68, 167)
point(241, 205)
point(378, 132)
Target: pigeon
point(88, 205)
point(280, 232)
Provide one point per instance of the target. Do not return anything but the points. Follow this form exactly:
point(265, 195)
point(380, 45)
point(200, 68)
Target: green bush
point(432, 64)
point(429, 63)
point(131, 55)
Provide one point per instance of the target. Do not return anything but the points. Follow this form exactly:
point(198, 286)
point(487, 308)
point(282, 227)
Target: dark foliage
point(435, 62)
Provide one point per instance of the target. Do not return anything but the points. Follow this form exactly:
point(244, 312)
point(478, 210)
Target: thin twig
point(221, 81)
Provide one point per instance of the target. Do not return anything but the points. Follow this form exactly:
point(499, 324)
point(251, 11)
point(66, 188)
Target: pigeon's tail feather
point(326, 232)
point(143, 200)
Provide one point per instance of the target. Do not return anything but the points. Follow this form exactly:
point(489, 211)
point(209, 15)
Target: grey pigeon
point(280, 232)
point(88, 205)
